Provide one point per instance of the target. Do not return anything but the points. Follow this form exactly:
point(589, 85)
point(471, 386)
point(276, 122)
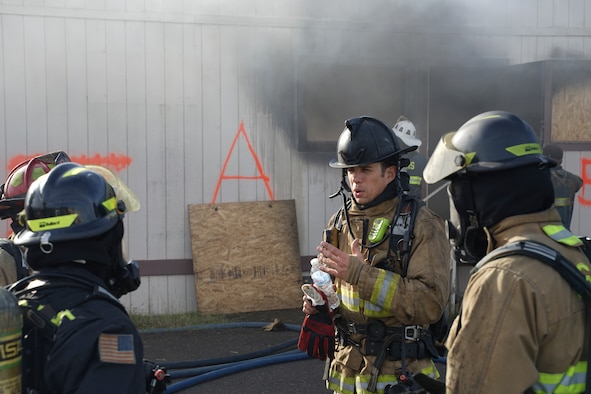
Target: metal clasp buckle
point(351, 328)
point(412, 333)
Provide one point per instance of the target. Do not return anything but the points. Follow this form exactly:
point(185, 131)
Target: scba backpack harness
point(391, 342)
point(578, 280)
point(40, 320)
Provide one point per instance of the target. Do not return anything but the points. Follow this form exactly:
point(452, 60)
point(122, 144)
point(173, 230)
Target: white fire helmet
point(405, 130)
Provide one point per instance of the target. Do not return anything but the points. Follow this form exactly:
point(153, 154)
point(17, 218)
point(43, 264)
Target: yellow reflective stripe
point(572, 381)
point(384, 289)
point(110, 204)
point(340, 383)
point(57, 319)
point(561, 234)
point(585, 271)
point(52, 223)
point(525, 149)
point(350, 298)
point(372, 310)
point(562, 202)
point(415, 180)
point(431, 371)
point(383, 380)
point(358, 384)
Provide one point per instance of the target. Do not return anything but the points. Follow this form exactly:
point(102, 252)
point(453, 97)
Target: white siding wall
point(167, 84)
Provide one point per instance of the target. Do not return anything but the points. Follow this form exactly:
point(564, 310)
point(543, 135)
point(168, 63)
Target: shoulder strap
point(402, 232)
point(39, 325)
point(545, 254)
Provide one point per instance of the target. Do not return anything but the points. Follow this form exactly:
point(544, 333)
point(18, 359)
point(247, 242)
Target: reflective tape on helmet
point(110, 204)
point(53, 223)
point(531, 148)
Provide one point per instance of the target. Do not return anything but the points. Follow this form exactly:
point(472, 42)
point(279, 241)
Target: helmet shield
point(365, 140)
point(123, 193)
point(445, 160)
point(71, 202)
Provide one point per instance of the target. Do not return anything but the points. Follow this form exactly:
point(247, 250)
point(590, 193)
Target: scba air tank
point(10, 343)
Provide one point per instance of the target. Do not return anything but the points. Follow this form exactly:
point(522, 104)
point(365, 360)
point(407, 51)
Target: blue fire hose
point(200, 371)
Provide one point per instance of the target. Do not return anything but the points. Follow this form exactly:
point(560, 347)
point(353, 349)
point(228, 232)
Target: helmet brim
point(334, 163)
point(407, 139)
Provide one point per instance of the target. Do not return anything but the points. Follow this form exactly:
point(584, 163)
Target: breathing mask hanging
point(468, 238)
point(125, 274)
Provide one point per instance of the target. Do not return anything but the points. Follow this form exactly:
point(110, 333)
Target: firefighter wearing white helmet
point(407, 134)
point(522, 326)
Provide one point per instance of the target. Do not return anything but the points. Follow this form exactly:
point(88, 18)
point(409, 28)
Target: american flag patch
point(116, 348)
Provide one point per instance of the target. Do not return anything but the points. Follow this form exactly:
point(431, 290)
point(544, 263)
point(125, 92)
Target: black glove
point(317, 336)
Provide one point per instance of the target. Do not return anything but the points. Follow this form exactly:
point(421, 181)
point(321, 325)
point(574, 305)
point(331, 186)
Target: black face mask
point(485, 199)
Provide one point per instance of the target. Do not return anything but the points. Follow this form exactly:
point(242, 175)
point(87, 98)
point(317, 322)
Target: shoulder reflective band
point(562, 235)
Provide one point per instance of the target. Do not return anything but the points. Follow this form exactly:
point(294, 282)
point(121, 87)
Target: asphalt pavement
point(195, 355)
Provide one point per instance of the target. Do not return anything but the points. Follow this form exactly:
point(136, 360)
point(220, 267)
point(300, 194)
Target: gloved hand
point(317, 336)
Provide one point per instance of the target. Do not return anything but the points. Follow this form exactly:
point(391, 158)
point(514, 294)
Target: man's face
point(369, 181)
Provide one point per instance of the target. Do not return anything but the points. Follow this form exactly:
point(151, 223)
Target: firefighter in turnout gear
point(406, 132)
point(566, 184)
point(389, 255)
point(77, 337)
point(522, 327)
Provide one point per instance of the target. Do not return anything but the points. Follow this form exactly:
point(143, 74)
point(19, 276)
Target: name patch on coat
point(116, 348)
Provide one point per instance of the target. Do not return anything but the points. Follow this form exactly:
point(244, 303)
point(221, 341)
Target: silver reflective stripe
point(572, 381)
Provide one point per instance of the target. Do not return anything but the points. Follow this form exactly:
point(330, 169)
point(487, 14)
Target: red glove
point(317, 336)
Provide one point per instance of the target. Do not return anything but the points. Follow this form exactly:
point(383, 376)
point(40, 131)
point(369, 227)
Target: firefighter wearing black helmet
point(77, 337)
point(521, 328)
point(392, 279)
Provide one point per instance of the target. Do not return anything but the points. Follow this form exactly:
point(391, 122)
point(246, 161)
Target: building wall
point(159, 90)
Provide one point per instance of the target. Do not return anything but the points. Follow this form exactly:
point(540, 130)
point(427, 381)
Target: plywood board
point(245, 256)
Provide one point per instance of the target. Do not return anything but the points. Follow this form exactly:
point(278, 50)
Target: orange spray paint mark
point(262, 175)
point(586, 176)
point(113, 161)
